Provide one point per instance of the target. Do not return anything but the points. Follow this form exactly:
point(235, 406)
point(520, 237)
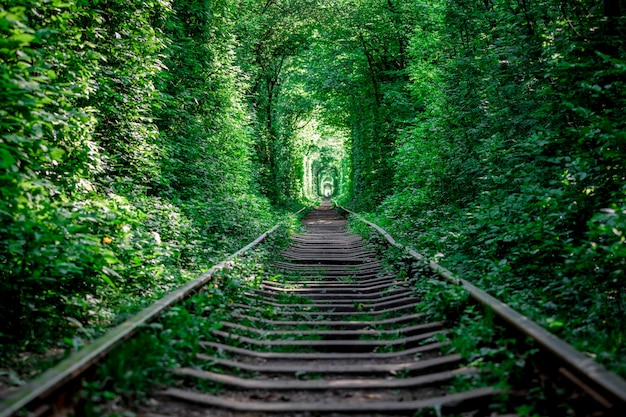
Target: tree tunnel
point(325, 163)
point(327, 181)
point(326, 175)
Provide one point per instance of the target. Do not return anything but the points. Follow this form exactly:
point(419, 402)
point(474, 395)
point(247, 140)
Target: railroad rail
point(336, 333)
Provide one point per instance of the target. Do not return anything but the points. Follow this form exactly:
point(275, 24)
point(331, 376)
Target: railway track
point(348, 342)
point(338, 334)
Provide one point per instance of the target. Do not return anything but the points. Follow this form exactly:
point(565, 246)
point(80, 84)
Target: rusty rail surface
point(605, 386)
point(73, 367)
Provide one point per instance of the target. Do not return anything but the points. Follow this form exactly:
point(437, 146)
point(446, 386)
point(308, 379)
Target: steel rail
point(76, 364)
point(605, 386)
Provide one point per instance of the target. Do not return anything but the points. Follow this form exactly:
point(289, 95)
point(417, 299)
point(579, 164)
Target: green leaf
point(23, 38)
point(6, 158)
point(110, 283)
point(109, 272)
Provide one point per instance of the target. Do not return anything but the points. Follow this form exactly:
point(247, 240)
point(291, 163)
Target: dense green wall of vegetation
point(141, 140)
point(494, 134)
point(127, 155)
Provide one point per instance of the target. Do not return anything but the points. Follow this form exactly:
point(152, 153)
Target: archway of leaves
point(324, 165)
point(327, 181)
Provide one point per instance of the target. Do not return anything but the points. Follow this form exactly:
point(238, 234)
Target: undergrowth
point(504, 362)
point(141, 365)
point(566, 299)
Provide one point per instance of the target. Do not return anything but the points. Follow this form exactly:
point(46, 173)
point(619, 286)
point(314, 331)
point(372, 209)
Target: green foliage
point(272, 35)
point(509, 173)
point(125, 161)
point(357, 68)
